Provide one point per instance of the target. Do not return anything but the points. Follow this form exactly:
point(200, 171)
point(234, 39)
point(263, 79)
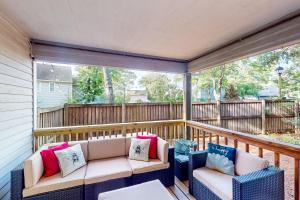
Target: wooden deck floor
point(180, 191)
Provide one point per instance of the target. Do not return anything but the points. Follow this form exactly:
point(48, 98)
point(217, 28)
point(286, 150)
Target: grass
point(287, 138)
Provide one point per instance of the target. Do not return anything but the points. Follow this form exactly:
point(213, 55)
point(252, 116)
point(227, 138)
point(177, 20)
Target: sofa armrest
point(197, 159)
point(171, 156)
point(17, 182)
point(263, 184)
point(162, 150)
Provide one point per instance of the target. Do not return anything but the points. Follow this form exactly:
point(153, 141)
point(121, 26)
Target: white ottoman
point(145, 191)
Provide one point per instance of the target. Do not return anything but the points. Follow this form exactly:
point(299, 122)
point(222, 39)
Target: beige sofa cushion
point(246, 163)
point(106, 148)
point(142, 166)
point(127, 145)
point(33, 168)
point(56, 182)
point(218, 183)
point(107, 169)
point(162, 150)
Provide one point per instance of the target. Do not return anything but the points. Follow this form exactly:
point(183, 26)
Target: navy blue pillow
point(221, 158)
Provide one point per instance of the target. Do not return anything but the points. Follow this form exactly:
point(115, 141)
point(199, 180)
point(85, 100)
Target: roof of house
point(51, 72)
point(137, 92)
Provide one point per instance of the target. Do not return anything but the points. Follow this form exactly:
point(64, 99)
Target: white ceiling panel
point(180, 29)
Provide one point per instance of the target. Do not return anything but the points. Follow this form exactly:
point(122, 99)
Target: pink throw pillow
point(153, 145)
point(50, 161)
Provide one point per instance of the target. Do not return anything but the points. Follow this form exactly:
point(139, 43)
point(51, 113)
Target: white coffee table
point(145, 191)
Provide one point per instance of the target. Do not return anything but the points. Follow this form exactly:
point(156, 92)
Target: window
point(51, 87)
point(39, 86)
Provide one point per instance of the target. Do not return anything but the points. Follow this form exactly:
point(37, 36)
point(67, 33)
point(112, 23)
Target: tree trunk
point(108, 85)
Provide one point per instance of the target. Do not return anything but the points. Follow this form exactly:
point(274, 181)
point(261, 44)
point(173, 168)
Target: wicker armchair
point(259, 185)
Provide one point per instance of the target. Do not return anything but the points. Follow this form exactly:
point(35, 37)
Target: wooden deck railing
point(168, 130)
point(174, 129)
point(203, 133)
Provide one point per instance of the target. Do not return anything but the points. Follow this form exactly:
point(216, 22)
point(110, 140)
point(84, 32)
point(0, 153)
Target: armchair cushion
point(83, 144)
point(217, 182)
point(221, 158)
point(56, 182)
point(107, 169)
point(153, 145)
point(70, 159)
point(247, 163)
point(50, 161)
point(139, 167)
point(139, 149)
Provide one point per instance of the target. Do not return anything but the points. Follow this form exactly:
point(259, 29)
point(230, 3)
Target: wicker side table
point(181, 167)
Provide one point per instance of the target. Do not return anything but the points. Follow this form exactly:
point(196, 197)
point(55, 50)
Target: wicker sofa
point(107, 169)
point(254, 179)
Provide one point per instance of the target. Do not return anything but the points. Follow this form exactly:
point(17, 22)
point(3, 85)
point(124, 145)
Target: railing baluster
point(296, 179)
point(247, 148)
point(276, 159)
point(166, 132)
point(226, 140)
point(198, 135)
point(193, 134)
point(235, 143)
point(203, 140)
point(217, 139)
point(260, 152)
point(210, 137)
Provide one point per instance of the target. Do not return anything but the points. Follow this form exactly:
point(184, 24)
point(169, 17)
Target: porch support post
point(187, 101)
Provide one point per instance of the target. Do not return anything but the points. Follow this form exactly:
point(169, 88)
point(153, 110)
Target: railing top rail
point(268, 144)
point(103, 127)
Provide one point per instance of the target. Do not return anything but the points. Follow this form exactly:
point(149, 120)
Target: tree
point(89, 83)
point(231, 93)
point(108, 84)
point(122, 82)
point(160, 88)
point(216, 78)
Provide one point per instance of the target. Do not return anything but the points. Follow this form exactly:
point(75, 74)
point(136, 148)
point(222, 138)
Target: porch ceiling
point(177, 29)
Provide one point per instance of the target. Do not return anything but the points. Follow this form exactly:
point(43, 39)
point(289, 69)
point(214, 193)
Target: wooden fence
point(53, 117)
point(246, 116)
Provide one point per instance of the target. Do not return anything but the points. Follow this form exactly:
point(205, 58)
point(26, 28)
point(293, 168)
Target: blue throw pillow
point(221, 158)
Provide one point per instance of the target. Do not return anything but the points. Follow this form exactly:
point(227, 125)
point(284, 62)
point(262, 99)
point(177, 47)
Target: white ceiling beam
point(71, 54)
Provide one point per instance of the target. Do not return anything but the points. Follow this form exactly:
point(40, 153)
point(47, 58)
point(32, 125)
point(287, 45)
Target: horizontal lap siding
point(16, 103)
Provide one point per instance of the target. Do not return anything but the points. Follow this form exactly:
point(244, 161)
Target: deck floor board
point(180, 190)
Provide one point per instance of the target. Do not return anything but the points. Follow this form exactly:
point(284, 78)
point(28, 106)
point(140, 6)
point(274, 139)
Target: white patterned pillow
point(139, 149)
point(70, 159)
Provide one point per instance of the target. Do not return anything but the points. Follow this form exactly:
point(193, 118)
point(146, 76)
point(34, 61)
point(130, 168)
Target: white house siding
point(16, 102)
point(61, 94)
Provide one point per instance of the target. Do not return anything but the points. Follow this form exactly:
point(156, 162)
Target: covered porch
point(164, 36)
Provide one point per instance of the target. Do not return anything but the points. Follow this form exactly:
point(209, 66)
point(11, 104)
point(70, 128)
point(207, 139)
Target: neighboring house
point(208, 93)
point(138, 96)
point(269, 92)
point(54, 85)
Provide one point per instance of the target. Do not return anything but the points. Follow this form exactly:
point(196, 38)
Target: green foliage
point(89, 83)
point(123, 80)
point(250, 75)
point(160, 88)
